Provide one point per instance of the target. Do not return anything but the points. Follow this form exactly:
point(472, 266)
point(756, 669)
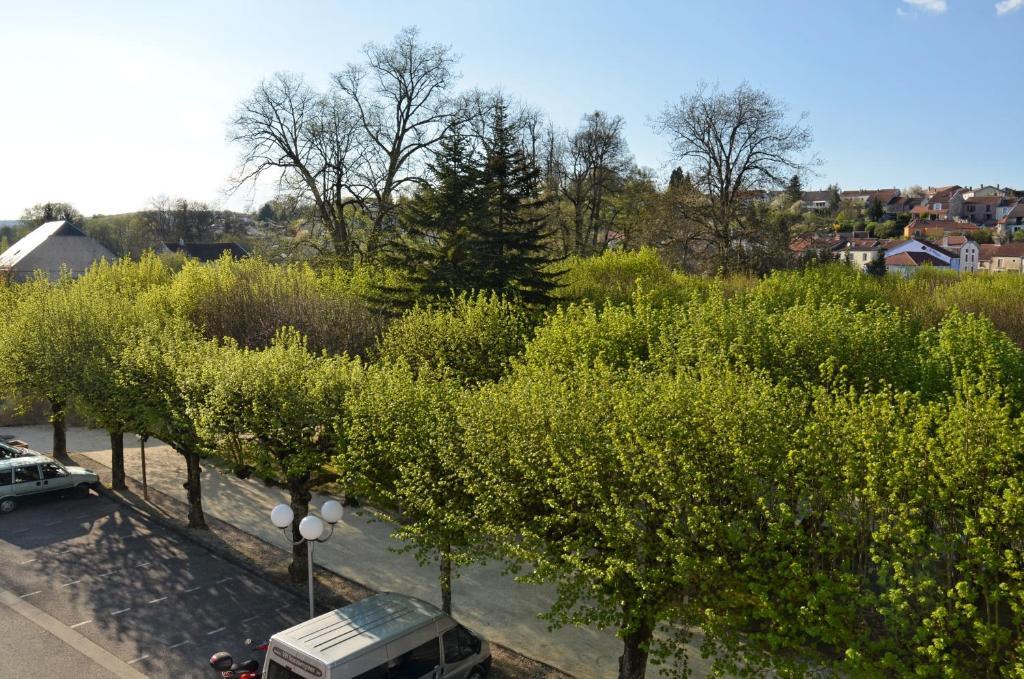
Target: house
point(946, 202)
point(817, 201)
point(900, 205)
point(1008, 258)
point(969, 251)
point(986, 192)
point(860, 252)
point(948, 258)
point(937, 228)
point(985, 210)
point(204, 252)
point(906, 263)
point(49, 248)
point(1011, 222)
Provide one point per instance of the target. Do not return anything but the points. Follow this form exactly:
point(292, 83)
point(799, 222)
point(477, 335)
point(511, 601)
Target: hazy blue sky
point(106, 104)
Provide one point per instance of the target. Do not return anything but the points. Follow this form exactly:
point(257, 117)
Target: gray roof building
point(49, 248)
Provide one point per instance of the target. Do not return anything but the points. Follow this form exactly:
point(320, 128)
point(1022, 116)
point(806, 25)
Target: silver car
point(34, 475)
point(9, 451)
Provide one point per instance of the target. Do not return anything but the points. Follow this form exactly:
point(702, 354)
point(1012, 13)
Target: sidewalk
point(484, 599)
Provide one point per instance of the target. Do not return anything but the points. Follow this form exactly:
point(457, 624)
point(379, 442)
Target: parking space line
point(192, 589)
point(250, 619)
point(147, 563)
point(157, 600)
point(221, 582)
point(181, 643)
point(25, 596)
point(28, 561)
point(123, 610)
point(212, 632)
point(79, 624)
point(141, 657)
point(68, 584)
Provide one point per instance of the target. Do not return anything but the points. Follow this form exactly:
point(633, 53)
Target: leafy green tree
point(876, 211)
point(876, 267)
point(405, 455)
point(51, 212)
point(474, 337)
point(284, 397)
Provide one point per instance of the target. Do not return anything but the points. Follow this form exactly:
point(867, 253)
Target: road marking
point(69, 636)
point(250, 619)
point(221, 582)
point(20, 532)
point(25, 596)
point(54, 523)
point(181, 643)
point(141, 657)
point(193, 589)
point(123, 610)
point(157, 600)
point(73, 582)
point(79, 624)
point(219, 629)
point(29, 561)
point(148, 563)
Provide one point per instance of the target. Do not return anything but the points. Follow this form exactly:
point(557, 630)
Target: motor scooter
point(250, 669)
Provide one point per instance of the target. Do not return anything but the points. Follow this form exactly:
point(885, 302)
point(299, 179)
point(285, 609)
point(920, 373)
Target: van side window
point(26, 473)
point(458, 644)
point(52, 470)
point(5, 477)
point(417, 662)
point(378, 672)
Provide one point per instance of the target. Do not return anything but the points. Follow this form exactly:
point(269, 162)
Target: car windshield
point(8, 452)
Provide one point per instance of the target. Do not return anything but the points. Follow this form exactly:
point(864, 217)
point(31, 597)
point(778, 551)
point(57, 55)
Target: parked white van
point(386, 636)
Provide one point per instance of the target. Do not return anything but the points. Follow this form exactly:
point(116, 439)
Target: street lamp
point(311, 528)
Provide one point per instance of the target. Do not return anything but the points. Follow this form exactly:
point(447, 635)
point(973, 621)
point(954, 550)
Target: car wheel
point(7, 505)
point(82, 490)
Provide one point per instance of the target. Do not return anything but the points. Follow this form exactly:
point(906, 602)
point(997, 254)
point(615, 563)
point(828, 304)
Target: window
point(5, 477)
point(52, 470)
point(8, 452)
point(275, 671)
point(417, 662)
point(26, 474)
point(458, 643)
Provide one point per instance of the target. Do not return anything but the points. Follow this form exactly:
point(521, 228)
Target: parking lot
point(154, 600)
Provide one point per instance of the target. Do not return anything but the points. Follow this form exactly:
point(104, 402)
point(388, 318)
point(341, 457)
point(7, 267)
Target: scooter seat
point(247, 666)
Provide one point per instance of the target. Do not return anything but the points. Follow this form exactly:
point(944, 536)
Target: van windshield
point(275, 671)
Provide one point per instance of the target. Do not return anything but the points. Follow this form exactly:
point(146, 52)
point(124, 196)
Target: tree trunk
point(117, 460)
point(446, 580)
point(193, 486)
point(633, 661)
point(60, 433)
point(299, 500)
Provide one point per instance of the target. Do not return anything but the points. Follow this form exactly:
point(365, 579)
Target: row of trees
point(814, 470)
point(393, 131)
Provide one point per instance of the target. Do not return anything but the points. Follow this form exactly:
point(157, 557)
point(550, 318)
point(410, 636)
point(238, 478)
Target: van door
point(421, 662)
point(27, 479)
point(460, 650)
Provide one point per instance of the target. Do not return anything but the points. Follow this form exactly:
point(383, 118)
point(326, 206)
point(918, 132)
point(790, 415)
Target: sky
point(108, 104)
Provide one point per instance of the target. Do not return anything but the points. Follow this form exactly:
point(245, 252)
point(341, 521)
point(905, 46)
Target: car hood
point(80, 470)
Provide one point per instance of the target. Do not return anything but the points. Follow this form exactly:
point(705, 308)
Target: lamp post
point(311, 528)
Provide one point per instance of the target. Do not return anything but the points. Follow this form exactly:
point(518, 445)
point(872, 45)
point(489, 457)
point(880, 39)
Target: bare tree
point(311, 141)
point(733, 142)
point(595, 162)
point(402, 101)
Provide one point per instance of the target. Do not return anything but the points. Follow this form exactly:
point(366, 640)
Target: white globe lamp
point(281, 516)
point(311, 528)
point(332, 511)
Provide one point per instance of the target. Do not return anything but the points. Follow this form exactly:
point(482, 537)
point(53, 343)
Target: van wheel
point(7, 505)
point(477, 673)
point(81, 490)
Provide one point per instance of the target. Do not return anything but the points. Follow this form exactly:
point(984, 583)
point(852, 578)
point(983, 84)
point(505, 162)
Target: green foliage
point(474, 336)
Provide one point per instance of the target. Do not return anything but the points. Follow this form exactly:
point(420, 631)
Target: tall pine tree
point(441, 222)
point(514, 255)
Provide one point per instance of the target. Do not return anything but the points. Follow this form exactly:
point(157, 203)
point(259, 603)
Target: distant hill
point(9, 222)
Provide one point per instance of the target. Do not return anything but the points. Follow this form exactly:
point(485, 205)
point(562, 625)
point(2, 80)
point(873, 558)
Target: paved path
point(362, 550)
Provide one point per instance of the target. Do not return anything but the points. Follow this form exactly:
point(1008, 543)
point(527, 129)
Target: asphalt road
point(157, 602)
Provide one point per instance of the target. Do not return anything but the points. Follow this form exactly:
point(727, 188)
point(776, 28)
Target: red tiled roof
point(985, 200)
point(944, 224)
point(988, 250)
point(914, 259)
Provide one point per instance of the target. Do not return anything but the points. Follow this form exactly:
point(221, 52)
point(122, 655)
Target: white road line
point(73, 582)
point(193, 589)
point(221, 582)
point(141, 657)
point(123, 610)
point(79, 624)
point(157, 600)
point(25, 596)
point(250, 619)
point(219, 629)
point(182, 643)
point(28, 561)
point(148, 563)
